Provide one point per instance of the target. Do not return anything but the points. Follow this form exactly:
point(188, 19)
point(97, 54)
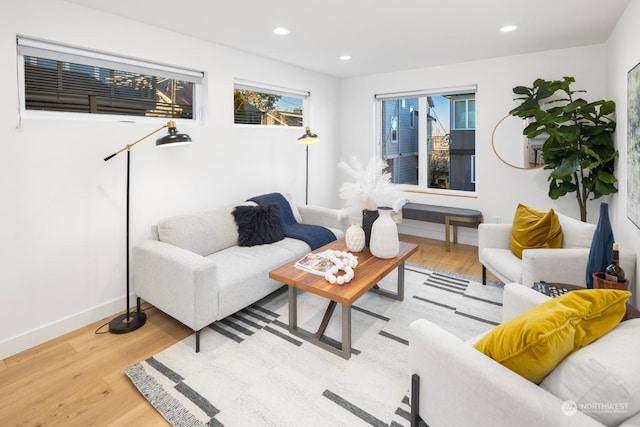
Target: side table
point(599, 282)
point(555, 289)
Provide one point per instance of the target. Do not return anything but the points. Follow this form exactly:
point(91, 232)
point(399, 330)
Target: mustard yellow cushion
point(534, 342)
point(534, 229)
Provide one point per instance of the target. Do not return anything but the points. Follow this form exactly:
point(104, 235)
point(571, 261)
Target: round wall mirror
point(513, 148)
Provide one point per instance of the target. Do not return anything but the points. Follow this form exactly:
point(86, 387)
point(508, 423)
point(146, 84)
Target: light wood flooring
point(77, 379)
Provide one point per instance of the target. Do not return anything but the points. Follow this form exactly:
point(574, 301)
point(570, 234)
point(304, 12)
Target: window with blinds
point(59, 78)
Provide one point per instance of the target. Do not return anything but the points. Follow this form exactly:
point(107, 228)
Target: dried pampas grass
point(371, 187)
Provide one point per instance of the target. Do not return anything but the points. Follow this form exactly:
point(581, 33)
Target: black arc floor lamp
point(307, 139)
point(130, 321)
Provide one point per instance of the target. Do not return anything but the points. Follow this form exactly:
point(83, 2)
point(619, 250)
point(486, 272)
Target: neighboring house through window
point(427, 138)
point(58, 78)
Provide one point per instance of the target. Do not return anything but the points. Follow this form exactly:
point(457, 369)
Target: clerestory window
point(265, 105)
point(57, 78)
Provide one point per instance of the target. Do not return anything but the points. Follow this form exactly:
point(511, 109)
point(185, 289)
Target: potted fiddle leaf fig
point(578, 149)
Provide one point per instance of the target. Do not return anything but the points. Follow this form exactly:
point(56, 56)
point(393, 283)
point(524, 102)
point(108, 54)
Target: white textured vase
point(354, 238)
point(384, 235)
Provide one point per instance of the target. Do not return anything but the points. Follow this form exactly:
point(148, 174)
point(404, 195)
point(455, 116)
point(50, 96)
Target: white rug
point(251, 372)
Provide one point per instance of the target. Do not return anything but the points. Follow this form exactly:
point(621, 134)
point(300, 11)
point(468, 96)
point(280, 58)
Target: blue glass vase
point(601, 246)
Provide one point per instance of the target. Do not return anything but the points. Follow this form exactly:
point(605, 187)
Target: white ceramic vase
point(384, 235)
point(354, 238)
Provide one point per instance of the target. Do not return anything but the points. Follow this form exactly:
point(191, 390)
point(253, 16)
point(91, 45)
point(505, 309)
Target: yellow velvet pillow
point(534, 342)
point(534, 229)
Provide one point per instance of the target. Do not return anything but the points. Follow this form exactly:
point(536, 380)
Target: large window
point(427, 138)
point(63, 79)
point(256, 104)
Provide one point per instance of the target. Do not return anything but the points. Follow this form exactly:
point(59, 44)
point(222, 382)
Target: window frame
point(423, 171)
point(453, 121)
point(28, 46)
point(240, 84)
point(473, 169)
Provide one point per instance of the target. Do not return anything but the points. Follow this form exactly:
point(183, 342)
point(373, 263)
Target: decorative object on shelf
point(384, 235)
point(307, 139)
point(578, 149)
point(601, 245)
point(130, 321)
point(354, 238)
point(341, 261)
point(371, 187)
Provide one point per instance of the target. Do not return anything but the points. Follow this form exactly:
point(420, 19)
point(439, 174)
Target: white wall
point(599, 69)
point(62, 213)
point(499, 187)
point(622, 56)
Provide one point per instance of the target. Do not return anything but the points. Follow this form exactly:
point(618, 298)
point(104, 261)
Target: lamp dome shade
point(308, 137)
point(173, 137)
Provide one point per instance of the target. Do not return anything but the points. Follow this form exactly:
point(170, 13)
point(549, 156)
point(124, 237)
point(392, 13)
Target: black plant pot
point(368, 217)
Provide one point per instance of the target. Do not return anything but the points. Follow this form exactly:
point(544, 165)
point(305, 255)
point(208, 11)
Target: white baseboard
point(34, 337)
point(429, 230)
point(44, 333)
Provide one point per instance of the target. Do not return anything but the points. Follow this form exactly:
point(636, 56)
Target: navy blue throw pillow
point(258, 225)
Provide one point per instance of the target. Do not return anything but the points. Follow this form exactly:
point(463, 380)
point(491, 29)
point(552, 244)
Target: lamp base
point(127, 322)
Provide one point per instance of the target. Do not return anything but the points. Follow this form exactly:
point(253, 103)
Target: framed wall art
point(633, 145)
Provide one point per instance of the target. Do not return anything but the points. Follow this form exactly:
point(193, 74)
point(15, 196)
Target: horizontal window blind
point(61, 78)
point(263, 87)
point(456, 90)
point(65, 53)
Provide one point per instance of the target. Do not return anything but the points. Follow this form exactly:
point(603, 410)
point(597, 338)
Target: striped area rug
point(252, 372)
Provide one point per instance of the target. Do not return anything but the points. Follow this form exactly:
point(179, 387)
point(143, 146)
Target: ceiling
point(380, 36)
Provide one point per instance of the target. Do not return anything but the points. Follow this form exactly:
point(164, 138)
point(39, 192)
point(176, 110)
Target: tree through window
point(267, 107)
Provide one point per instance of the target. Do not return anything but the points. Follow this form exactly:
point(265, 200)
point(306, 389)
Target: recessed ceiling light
point(281, 31)
point(508, 28)
point(345, 57)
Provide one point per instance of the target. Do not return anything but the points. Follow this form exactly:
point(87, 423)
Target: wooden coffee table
point(368, 273)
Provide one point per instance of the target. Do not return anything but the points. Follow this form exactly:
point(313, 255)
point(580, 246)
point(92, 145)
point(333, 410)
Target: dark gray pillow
point(258, 225)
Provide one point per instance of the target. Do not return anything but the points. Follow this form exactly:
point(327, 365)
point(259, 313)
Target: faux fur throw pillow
point(258, 225)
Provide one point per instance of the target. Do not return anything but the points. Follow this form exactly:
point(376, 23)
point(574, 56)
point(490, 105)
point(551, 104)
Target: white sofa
point(565, 265)
point(194, 270)
point(453, 384)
